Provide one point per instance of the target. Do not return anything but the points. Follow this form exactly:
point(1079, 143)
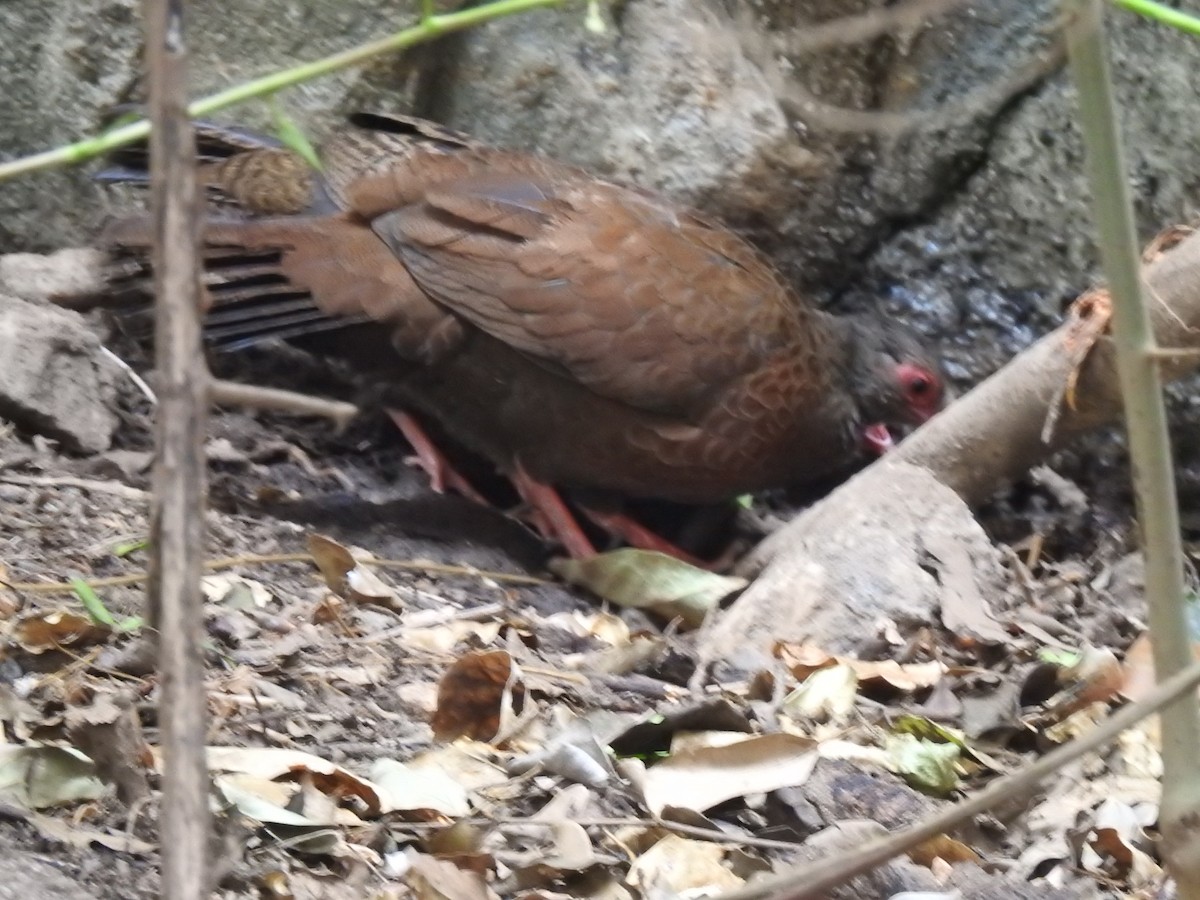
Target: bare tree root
point(898, 540)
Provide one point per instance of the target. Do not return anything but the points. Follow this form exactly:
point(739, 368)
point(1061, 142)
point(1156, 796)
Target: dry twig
point(177, 507)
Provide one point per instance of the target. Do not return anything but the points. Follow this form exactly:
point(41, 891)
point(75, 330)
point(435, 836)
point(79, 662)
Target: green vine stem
point(1149, 441)
point(1160, 12)
point(429, 27)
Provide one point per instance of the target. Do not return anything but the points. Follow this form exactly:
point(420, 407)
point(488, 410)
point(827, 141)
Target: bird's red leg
point(638, 535)
point(441, 472)
point(551, 516)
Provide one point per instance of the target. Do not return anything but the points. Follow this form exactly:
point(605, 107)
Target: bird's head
point(895, 379)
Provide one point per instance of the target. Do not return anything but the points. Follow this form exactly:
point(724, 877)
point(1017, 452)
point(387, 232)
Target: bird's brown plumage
point(595, 334)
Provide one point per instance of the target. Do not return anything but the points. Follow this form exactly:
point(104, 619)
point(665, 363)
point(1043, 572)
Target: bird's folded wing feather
point(637, 300)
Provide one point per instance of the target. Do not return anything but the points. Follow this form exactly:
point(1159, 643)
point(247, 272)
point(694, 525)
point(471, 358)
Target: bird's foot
point(638, 535)
point(547, 512)
point(549, 515)
point(441, 471)
point(552, 519)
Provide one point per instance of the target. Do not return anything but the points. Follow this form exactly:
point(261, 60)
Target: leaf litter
point(383, 731)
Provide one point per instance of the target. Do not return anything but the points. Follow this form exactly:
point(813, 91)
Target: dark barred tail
point(282, 260)
point(249, 298)
point(245, 176)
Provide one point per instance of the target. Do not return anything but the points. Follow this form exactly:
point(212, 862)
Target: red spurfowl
point(577, 332)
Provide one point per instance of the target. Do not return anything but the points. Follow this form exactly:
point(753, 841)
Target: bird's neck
point(849, 364)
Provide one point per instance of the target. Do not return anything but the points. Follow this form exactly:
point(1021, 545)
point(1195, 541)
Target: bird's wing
point(639, 301)
point(422, 230)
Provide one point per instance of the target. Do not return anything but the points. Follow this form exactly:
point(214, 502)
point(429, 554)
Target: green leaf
point(647, 579)
point(926, 765)
point(98, 612)
point(291, 135)
point(1056, 656)
point(92, 603)
point(124, 548)
point(929, 730)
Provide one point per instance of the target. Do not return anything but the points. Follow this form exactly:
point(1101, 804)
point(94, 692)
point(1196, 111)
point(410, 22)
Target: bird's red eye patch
point(922, 389)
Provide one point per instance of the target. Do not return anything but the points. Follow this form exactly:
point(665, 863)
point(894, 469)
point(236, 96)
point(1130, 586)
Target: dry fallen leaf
point(677, 866)
point(475, 696)
point(636, 655)
point(1094, 678)
point(965, 611)
point(235, 591)
point(425, 793)
point(942, 847)
point(1117, 845)
point(37, 776)
point(603, 626)
point(42, 632)
point(110, 733)
point(434, 879)
point(282, 803)
point(805, 658)
point(470, 764)
point(1051, 823)
point(700, 778)
point(827, 693)
point(445, 637)
point(58, 830)
point(275, 763)
point(550, 854)
point(346, 577)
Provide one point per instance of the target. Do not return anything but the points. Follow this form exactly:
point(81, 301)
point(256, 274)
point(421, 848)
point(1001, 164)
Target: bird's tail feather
point(249, 298)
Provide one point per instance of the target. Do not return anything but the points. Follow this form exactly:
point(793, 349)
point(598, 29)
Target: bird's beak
point(877, 440)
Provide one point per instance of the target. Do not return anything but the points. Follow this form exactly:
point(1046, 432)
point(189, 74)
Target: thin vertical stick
point(1149, 441)
point(177, 511)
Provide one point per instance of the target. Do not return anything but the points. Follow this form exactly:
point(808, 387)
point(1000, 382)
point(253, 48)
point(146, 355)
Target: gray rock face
point(73, 272)
point(53, 379)
point(931, 564)
point(991, 267)
point(665, 99)
point(65, 63)
point(60, 63)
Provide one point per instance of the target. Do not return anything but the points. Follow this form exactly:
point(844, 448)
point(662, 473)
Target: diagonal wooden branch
point(986, 438)
point(994, 433)
point(983, 440)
